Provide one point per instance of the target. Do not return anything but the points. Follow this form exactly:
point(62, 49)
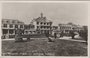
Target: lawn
point(41, 47)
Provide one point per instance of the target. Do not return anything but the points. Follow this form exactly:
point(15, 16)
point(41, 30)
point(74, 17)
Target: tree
point(62, 34)
point(50, 27)
point(84, 34)
point(72, 34)
point(18, 35)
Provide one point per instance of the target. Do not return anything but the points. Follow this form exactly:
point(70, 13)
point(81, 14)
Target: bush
point(84, 34)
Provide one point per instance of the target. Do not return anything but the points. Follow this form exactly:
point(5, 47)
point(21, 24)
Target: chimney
point(41, 15)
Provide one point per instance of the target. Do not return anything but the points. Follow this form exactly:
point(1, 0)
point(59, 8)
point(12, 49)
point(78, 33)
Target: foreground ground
point(42, 47)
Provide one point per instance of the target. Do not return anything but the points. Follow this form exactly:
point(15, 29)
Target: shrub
point(84, 34)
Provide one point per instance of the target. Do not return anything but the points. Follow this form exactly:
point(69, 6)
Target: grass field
point(41, 47)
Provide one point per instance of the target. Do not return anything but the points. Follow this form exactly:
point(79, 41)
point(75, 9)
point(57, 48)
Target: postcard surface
point(44, 29)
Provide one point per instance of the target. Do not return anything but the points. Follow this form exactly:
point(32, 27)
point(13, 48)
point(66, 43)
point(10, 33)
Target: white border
point(47, 2)
point(88, 29)
point(0, 27)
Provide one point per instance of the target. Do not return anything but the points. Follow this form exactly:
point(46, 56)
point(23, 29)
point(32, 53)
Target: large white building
point(8, 27)
point(42, 24)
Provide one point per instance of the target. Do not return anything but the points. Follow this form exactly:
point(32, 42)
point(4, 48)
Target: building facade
point(55, 29)
point(29, 29)
point(66, 28)
point(8, 27)
point(42, 24)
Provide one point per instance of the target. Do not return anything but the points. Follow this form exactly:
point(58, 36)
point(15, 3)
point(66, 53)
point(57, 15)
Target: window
point(41, 26)
point(2, 21)
point(31, 32)
point(18, 22)
point(11, 31)
point(13, 21)
point(44, 23)
point(5, 31)
point(32, 26)
point(44, 27)
point(37, 26)
point(47, 23)
point(16, 26)
point(11, 26)
point(37, 22)
point(21, 26)
point(5, 25)
point(47, 27)
point(26, 32)
point(7, 21)
point(41, 22)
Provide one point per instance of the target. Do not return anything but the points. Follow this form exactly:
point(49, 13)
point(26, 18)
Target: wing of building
point(66, 28)
point(8, 27)
point(30, 29)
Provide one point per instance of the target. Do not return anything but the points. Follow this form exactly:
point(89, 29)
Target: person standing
point(16, 35)
point(55, 35)
point(47, 34)
point(61, 35)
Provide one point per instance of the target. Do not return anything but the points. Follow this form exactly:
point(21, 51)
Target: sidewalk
point(62, 38)
point(69, 38)
point(8, 39)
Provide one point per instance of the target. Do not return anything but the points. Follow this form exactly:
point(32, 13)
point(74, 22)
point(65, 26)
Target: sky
point(76, 13)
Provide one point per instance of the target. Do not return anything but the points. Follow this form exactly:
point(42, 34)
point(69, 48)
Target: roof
point(41, 19)
point(12, 21)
